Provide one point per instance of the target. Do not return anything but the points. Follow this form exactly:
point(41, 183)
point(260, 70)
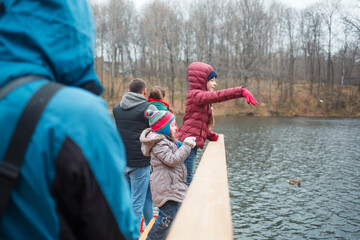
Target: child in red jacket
point(198, 119)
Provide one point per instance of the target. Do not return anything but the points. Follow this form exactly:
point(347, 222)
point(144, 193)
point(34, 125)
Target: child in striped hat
point(168, 177)
point(161, 122)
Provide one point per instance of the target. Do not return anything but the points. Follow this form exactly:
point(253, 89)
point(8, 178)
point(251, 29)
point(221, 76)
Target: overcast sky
point(299, 4)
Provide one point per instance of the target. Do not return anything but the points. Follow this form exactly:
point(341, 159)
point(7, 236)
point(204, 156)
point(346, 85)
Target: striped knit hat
point(159, 121)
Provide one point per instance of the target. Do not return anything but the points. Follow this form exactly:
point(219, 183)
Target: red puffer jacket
point(198, 100)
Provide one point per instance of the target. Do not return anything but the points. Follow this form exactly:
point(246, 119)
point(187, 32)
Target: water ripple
point(263, 153)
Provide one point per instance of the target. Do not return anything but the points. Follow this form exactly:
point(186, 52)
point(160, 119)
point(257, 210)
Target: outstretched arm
point(205, 97)
point(163, 152)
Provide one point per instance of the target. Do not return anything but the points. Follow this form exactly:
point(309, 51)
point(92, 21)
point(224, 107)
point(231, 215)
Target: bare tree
point(351, 16)
point(101, 30)
point(290, 18)
point(224, 34)
point(330, 8)
point(272, 21)
point(114, 22)
point(200, 20)
point(171, 29)
point(188, 47)
point(250, 18)
point(311, 36)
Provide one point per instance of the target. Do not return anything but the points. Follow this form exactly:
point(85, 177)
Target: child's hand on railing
point(214, 137)
point(190, 141)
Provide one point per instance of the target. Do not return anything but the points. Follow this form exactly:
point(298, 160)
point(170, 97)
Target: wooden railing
point(205, 212)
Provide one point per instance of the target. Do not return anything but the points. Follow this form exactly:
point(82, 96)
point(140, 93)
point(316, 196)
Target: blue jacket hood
point(52, 38)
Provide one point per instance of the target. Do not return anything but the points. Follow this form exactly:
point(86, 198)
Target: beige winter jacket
point(168, 177)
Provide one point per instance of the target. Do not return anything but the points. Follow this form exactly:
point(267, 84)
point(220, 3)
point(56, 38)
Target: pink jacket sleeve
point(205, 97)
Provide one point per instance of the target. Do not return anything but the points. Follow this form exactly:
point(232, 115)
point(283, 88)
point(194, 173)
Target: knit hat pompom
point(149, 112)
point(159, 121)
point(212, 75)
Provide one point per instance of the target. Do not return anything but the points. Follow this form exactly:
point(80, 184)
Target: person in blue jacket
point(72, 183)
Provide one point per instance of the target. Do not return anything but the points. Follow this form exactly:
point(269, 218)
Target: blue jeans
point(167, 213)
point(190, 165)
point(139, 180)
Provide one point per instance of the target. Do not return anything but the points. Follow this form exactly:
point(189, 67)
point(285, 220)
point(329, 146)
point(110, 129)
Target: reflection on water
point(263, 153)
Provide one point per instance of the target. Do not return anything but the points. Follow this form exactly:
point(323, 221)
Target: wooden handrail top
point(206, 212)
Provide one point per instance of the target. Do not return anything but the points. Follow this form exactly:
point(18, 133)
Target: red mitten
point(214, 137)
point(248, 96)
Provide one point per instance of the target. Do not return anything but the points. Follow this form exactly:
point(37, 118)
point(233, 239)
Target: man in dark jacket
point(71, 183)
point(131, 120)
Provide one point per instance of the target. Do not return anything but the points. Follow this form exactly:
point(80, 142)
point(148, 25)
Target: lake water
point(264, 153)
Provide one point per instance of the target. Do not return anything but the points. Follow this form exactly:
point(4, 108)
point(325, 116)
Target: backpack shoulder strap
point(17, 83)
point(14, 156)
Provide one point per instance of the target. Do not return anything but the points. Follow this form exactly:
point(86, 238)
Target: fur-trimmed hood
point(149, 138)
